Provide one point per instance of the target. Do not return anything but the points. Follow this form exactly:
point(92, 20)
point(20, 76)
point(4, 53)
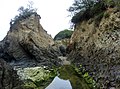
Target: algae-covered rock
point(33, 73)
point(77, 81)
point(34, 77)
point(40, 78)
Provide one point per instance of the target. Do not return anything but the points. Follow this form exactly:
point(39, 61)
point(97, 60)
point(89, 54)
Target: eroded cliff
point(28, 44)
point(95, 44)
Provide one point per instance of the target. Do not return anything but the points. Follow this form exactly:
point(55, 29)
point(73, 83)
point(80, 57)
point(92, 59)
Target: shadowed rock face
point(97, 48)
point(8, 77)
point(28, 44)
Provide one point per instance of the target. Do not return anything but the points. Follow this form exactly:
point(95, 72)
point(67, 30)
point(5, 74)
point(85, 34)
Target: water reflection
point(58, 83)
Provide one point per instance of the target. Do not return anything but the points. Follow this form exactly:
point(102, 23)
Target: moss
point(35, 77)
point(34, 73)
point(77, 81)
point(28, 84)
point(43, 84)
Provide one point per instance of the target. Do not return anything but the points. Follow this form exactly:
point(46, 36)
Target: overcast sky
point(54, 14)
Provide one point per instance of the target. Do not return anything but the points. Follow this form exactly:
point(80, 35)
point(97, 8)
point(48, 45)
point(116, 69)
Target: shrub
point(86, 9)
point(63, 34)
point(24, 13)
point(91, 12)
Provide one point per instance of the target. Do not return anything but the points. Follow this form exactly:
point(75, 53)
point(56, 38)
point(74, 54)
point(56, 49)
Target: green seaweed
point(68, 72)
point(79, 79)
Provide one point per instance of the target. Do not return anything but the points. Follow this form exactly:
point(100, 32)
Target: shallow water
point(58, 83)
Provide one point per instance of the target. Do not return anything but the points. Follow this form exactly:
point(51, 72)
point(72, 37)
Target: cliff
point(28, 44)
point(95, 44)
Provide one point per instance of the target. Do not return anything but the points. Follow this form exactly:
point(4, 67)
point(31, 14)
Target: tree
point(83, 5)
point(24, 12)
point(82, 10)
point(63, 34)
point(86, 9)
point(80, 5)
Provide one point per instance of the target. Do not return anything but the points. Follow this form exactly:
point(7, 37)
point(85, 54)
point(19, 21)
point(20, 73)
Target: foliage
point(24, 13)
point(63, 34)
point(89, 11)
point(80, 5)
point(86, 9)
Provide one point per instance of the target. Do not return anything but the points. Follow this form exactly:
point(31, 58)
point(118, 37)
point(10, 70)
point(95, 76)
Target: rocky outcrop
point(28, 44)
point(8, 77)
point(96, 45)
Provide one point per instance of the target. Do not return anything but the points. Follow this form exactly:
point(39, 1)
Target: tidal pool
point(58, 83)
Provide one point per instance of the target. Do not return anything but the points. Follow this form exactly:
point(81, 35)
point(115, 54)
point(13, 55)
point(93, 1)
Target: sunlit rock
point(33, 73)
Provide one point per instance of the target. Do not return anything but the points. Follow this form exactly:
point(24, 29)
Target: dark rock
point(8, 77)
point(63, 50)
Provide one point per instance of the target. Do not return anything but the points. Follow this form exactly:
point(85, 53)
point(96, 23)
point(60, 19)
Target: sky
point(54, 14)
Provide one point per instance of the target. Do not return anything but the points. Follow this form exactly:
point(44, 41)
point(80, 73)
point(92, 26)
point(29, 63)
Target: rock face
point(28, 44)
point(97, 48)
point(8, 77)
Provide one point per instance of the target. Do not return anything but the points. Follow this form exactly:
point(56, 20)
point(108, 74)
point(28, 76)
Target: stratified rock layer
point(28, 44)
point(96, 45)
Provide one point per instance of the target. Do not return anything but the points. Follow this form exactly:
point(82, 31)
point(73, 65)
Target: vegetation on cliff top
point(24, 13)
point(63, 34)
point(86, 9)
